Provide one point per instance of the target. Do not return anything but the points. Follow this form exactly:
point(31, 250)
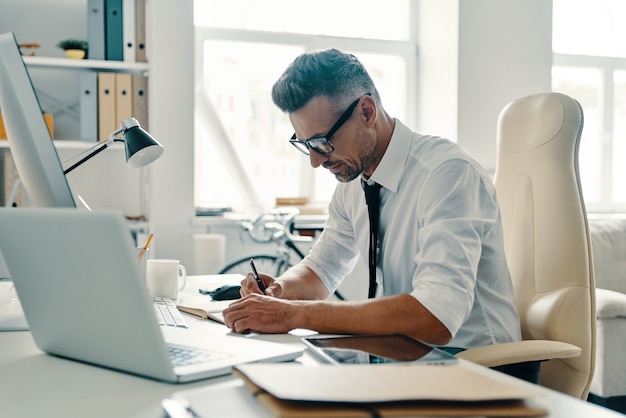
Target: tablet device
point(372, 349)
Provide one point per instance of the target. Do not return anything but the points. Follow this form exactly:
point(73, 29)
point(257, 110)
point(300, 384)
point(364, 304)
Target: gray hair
point(338, 76)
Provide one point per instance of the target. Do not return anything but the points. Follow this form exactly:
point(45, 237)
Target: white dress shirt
point(440, 238)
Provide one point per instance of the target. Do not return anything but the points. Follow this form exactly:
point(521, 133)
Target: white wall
point(44, 22)
point(170, 56)
point(505, 52)
point(475, 57)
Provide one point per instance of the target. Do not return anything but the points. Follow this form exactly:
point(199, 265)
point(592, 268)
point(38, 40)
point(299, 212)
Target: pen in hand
point(256, 276)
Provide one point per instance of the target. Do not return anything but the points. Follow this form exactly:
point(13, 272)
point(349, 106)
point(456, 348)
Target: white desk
point(34, 384)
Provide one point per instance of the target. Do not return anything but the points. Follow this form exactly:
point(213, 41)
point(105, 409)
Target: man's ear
point(368, 110)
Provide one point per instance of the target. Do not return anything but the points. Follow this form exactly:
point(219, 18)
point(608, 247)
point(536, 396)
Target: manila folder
point(461, 389)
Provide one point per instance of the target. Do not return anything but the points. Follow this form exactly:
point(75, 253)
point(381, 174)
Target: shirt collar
point(392, 164)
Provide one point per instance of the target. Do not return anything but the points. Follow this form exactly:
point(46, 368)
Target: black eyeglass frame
point(321, 144)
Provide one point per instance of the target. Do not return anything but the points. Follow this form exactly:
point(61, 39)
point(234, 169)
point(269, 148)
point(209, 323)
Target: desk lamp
point(141, 148)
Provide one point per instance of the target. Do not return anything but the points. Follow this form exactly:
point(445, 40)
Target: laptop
point(79, 283)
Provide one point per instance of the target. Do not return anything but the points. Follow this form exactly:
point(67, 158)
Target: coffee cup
point(165, 277)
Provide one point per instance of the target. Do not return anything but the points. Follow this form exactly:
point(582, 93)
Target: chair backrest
point(546, 233)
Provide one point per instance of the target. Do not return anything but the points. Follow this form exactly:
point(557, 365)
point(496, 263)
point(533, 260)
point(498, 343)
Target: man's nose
point(317, 159)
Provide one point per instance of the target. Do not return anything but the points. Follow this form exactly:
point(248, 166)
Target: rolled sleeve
point(455, 221)
point(445, 278)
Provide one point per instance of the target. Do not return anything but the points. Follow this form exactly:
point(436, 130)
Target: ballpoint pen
point(256, 276)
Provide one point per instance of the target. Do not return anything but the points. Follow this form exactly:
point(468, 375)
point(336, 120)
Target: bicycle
point(274, 226)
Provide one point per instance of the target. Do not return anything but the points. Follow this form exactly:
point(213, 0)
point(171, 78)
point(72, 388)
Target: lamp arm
point(102, 146)
point(139, 141)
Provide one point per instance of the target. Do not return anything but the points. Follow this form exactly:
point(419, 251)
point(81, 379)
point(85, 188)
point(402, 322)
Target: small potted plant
point(74, 48)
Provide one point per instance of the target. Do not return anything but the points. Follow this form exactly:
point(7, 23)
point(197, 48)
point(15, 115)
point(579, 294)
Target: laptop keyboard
point(185, 356)
point(167, 313)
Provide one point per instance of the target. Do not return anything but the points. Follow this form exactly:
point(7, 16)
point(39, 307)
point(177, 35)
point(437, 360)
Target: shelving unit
point(86, 65)
point(170, 27)
point(78, 146)
point(82, 65)
point(117, 186)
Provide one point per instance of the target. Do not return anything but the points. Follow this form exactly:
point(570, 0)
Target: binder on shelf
point(95, 29)
point(88, 106)
point(140, 100)
point(47, 117)
point(140, 31)
point(106, 105)
point(114, 30)
point(129, 30)
point(123, 97)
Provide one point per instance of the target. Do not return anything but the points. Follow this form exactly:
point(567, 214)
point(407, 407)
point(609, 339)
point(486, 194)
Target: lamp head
point(141, 148)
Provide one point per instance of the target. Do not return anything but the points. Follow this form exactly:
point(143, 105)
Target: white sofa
point(608, 240)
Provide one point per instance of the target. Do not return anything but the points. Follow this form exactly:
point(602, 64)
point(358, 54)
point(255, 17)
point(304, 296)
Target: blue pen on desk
point(256, 276)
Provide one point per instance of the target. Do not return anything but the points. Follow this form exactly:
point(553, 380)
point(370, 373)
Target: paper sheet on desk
point(12, 317)
point(201, 305)
point(228, 399)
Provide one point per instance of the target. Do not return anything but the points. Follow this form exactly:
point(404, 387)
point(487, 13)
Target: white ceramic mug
point(165, 277)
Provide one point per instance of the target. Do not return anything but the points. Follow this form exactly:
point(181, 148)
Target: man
point(441, 273)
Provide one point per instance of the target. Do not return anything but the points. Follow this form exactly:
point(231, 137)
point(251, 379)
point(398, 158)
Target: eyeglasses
point(321, 144)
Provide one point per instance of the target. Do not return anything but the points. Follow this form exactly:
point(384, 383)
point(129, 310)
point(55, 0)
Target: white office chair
point(547, 242)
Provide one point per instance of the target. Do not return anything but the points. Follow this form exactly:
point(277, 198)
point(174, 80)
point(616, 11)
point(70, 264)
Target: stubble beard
point(368, 158)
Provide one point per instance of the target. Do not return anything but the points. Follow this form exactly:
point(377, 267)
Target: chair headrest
point(532, 121)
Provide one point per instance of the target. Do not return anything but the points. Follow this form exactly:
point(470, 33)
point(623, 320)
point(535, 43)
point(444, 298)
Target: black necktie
point(373, 208)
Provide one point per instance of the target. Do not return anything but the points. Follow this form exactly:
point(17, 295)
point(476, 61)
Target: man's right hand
point(272, 286)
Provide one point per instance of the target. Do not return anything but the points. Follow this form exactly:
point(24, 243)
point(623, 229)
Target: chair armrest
point(518, 352)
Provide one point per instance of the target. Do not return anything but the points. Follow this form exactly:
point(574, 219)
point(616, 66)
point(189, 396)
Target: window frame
point(607, 66)
point(405, 49)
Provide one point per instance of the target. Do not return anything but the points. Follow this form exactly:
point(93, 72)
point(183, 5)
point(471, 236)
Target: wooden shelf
point(63, 144)
point(86, 65)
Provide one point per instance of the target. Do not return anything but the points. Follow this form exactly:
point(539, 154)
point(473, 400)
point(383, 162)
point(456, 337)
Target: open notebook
point(79, 283)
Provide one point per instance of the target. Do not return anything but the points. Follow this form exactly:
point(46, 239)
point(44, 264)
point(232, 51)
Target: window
point(589, 46)
point(242, 156)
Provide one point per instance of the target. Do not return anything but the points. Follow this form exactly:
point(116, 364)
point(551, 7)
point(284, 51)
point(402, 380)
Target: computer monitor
point(36, 159)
